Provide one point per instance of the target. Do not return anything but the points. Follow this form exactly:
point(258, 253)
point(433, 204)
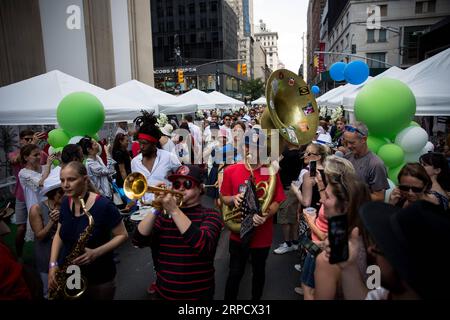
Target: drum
point(140, 214)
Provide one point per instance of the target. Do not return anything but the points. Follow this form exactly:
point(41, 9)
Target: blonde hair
point(322, 150)
point(337, 166)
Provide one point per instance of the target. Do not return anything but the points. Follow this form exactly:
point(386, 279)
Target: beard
point(150, 151)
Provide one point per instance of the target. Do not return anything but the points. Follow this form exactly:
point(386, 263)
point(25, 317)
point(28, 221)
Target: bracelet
point(53, 264)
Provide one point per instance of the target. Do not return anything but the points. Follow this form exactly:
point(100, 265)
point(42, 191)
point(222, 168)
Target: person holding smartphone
point(343, 196)
point(309, 197)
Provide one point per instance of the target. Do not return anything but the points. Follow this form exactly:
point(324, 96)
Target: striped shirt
point(185, 263)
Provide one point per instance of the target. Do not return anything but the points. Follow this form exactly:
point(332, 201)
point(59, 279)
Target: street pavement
point(134, 271)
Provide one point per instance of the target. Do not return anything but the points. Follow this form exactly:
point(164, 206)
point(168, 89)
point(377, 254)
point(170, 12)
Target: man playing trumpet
point(186, 236)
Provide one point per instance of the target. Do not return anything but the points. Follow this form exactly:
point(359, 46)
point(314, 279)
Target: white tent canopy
point(148, 96)
point(260, 100)
point(322, 100)
point(225, 102)
point(196, 97)
point(429, 81)
point(34, 101)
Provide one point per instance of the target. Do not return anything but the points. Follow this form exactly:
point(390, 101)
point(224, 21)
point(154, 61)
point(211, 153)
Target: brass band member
point(187, 239)
point(96, 263)
point(234, 178)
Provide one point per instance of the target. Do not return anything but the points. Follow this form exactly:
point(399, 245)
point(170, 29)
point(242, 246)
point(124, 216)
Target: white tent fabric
point(322, 100)
point(260, 100)
point(196, 97)
point(34, 101)
point(148, 96)
point(429, 81)
point(225, 102)
point(348, 99)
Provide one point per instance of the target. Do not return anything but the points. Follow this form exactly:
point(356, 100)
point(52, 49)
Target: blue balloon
point(337, 71)
point(356, 72)
point(315, 89)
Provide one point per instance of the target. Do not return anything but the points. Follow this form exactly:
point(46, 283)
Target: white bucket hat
point(167, 130)
point(51, 183)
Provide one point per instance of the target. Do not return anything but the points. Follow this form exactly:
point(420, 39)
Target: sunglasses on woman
point(187, 184)
point(407, 188)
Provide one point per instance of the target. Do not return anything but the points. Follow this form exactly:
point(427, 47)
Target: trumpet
point(135, 186)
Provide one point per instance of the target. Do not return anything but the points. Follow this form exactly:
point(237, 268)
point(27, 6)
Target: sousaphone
point(291, 108)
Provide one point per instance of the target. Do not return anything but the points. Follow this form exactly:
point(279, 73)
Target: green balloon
point(393, 173)
point(386, 106)
point(95, 137)
point(375, 143)
point(58, 138)
point(80, 113)
point(392, 155)
point(413, 123)
point(56, 162)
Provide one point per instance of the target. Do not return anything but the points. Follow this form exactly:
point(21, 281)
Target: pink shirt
point(321, 223)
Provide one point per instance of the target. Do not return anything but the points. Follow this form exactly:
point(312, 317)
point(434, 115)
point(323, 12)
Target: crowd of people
point(222, 157)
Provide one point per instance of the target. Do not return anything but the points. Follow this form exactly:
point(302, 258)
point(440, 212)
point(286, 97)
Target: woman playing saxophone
point(88, 244)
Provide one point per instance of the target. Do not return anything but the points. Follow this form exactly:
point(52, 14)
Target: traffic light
point(239, 68)
point(180, 76)
point(244, 69)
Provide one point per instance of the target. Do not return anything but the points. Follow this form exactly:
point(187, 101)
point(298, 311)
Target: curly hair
point(147, 124)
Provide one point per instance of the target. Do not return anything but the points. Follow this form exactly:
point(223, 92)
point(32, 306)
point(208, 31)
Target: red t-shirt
point(234, 176)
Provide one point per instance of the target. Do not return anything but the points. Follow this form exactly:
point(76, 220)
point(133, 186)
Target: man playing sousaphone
point(232, 192)
point(187, 237)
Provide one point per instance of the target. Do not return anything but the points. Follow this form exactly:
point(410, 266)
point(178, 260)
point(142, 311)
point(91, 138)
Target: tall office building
point(195, 36)
point(268, 40)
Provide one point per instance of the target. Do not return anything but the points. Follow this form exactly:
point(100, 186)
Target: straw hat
point(167, 130)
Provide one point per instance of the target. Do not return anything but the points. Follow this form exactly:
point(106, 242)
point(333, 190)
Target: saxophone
point(61, 291)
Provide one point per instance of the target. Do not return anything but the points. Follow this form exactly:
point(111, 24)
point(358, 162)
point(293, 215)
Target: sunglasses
point(413, 189)
point(353, 129)
point(187, 184)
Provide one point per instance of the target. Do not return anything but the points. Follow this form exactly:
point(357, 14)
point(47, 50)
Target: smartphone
point(312, 168)
point(338, 238)
point(310, 246)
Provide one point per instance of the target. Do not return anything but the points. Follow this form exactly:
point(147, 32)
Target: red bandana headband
point(147, 137)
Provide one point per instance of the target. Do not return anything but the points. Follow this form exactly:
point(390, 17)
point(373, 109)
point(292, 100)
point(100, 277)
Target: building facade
point(104, 42)
point(196, 37)
point(268, 40)
point(382, 33)
point(261, 68)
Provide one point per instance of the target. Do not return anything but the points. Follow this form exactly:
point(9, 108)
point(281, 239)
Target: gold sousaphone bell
point(291, 108)
point(135, 187)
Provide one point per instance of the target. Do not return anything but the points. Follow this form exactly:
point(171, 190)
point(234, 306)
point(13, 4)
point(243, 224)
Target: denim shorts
point(20, 212)
point(308, 271)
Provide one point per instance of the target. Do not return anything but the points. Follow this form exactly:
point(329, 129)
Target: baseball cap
point(324, 139)
point(412, 239)
point(187, 171)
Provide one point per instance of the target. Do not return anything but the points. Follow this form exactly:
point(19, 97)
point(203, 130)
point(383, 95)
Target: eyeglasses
point(187, 184)
point(413, 189)
point(353, 129)
point(227, 119)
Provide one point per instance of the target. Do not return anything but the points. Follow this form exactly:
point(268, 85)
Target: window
point(169, 11)
point(410, 43)
point(213, 6)
point(169, 25)
point(213, 23)
point(182, 24)
point(346, 40)
point(383, 10)
point(370, 36)
point(181, 10)
point(203, 23)
point(214, 36)
point(380, 56)
point(192, 24)
point(382, 35)
point(192, 9)
point(425, 6)
point(202, 7)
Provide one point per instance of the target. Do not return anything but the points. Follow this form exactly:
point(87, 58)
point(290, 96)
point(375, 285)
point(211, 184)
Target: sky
point(288, 18)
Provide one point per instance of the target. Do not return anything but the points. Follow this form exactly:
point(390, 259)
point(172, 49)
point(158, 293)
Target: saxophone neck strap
point(85, 198)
